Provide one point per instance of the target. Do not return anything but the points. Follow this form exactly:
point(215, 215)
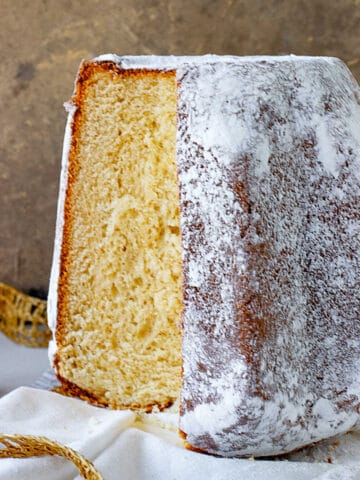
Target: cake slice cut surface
point(119, 293)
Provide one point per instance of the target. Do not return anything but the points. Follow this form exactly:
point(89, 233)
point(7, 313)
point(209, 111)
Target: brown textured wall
point(41, 45)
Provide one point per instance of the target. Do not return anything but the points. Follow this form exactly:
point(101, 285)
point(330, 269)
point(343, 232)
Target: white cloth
point(123, 448)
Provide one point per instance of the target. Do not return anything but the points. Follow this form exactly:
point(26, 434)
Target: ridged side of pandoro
point(268, 155)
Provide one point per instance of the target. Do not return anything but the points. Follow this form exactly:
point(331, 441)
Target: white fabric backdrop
point(124, 448)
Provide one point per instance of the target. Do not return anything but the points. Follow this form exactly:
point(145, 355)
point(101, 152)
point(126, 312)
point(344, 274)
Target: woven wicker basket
point(23, 318)
point(23, 446)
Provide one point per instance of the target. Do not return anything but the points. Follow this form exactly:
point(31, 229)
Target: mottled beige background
point(41, 45)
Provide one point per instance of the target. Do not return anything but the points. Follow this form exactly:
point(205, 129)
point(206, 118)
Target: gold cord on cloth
point(23, 318)
point(23, 446)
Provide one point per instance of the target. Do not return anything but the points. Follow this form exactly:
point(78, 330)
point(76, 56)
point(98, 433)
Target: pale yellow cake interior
point(121, 334)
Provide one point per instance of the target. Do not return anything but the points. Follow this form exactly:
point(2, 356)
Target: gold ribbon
point(23, 446)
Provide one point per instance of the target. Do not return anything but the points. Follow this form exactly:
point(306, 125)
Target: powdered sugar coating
point(52, 301)
point(269, 160)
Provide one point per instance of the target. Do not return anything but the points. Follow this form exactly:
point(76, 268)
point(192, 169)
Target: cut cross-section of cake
point(119, 288)
point(207, 246)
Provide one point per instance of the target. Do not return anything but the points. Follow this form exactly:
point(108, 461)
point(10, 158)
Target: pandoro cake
point(207, 246)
